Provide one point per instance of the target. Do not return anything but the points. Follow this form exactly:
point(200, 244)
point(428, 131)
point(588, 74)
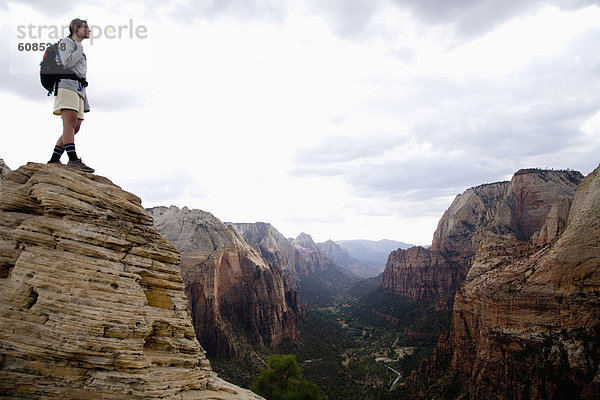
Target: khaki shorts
point(70, 100)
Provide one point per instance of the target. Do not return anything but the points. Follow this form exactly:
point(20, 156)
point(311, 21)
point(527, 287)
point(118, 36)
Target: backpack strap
point(82, 81)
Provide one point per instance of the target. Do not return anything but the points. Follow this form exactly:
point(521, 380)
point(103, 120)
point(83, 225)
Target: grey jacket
point(72, 56)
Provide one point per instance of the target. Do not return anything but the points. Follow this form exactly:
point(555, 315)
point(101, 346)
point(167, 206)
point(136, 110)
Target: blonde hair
point(76, 23)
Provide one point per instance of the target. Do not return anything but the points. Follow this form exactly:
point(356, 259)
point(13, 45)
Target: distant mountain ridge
point(374, 253)
point(342, 258)
point(316, 276)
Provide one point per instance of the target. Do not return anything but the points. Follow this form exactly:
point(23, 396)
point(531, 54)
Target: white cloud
point(340, 119)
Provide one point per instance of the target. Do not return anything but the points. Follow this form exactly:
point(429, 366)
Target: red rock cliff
point(278, 251)
point(315, 259)
point(231, 288)
point(519, 207)
point(526, 321)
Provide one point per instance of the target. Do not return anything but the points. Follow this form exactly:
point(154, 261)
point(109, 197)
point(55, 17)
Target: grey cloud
point(476, 17)
point(470, 18)
point(478, 131)
point(50, 8)
point(271, 10)
point(343, 149)
point(245, 8)
point(349, 18)
point(421, 177)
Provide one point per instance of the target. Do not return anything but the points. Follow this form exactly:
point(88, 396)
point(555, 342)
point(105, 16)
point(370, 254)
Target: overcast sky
point(344, 119)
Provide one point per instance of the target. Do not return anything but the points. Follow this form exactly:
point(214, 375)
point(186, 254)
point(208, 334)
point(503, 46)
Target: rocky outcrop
point(531, 196)
point(280, 253)
point(316, 260)
point(527, 318)
point(434, 274)
point(419, 274)
point(91, 298)
point(296, 257)
point(4, 170)
point(233, 291)
point(274, 247)
point(335, 252)
point(519, 207)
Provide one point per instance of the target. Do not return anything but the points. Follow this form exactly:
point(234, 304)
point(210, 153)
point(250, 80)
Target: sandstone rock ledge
point(92, 303)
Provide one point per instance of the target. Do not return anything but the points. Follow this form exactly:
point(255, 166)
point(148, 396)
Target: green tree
point(282, 380)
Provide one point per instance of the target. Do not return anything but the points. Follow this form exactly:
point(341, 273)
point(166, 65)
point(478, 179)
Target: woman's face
point(83, 30)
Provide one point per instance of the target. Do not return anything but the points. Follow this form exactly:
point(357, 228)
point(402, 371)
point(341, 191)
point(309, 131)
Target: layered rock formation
point(526, 321)
point(519, 207)
point(231, 288)
point(297, 257)
point(91, 299)
point(274, 247)
point(309, 271)
point(316, 260)
point(280, 253)
point(4, 170)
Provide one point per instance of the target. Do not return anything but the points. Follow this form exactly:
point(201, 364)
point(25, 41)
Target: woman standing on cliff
point(71, 100)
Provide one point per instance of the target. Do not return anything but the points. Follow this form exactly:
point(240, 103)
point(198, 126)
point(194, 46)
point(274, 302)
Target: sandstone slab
point(92, 303)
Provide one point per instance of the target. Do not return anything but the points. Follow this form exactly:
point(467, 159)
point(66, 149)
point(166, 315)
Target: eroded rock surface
point(526, 321)
point(315, 259)
point(4, 170)
point(232, 289)
point(92, 303)
point(520, 207)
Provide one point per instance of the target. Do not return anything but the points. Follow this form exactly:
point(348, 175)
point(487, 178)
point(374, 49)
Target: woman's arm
point(70, 53)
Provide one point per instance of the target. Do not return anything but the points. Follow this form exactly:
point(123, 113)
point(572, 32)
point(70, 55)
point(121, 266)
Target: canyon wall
point(92, 303)
point(526, 320)
point(234, 293)
point(314, 276)
point(276, 249)
point(296, 257)
point(519, 207)
point(315, 259)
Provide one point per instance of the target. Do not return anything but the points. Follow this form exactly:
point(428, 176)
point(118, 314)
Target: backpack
point(51, 72)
